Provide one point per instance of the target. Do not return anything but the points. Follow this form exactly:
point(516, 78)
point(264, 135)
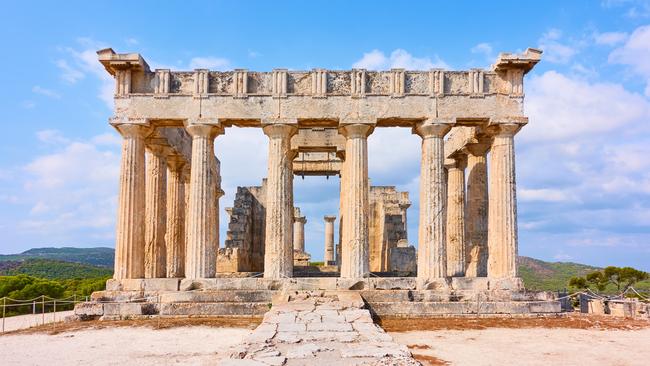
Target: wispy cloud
point(399, 58)
point(209, 62)
point(46, 92)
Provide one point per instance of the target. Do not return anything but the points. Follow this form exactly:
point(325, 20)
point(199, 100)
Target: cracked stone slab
point(311, 330)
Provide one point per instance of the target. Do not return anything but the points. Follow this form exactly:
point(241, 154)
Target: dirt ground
point(567, 340)
point(573, 340)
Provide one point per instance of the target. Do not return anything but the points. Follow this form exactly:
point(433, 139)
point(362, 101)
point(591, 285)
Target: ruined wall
point(387, 224)
point(244, 245)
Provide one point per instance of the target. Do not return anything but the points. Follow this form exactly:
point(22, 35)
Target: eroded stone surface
point(314, 328)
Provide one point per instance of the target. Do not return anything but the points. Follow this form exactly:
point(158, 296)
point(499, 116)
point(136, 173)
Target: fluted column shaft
point(456, 257)
point(299, 233)
point(129, 237)
point(432, 256)
point(202, 232)
point(354, 251)
point(502, 217)
point(476, 220)
point(329, 239)
point(175, 236)
point(155, 254)
point(278, 255)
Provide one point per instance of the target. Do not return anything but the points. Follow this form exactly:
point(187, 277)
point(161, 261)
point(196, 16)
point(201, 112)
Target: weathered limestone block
point(354, 253)
point(278, 258)
point(387, 224)
point(155, 254)
point(403, 259)
point(432, 255)
point(129, 241)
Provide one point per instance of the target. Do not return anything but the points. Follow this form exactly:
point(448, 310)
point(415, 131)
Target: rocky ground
point(573, 340)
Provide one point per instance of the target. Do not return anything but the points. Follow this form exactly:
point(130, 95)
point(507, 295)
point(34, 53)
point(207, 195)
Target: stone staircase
point(177, 303)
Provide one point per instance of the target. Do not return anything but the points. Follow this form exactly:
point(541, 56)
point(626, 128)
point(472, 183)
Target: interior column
point(476, 220)
point(155, 256)
point(456, 258)
point(329, 240)
point(175, 236)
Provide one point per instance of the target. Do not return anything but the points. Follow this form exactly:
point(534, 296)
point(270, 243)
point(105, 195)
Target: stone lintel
point(279, 121)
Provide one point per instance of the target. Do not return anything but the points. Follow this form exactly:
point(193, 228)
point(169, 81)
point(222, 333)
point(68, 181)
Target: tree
point(623, 278)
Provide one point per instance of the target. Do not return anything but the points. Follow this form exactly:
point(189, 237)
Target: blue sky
point(582, 164)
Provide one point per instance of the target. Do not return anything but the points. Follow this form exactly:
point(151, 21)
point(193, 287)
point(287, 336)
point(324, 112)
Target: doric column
point(432, 257)
point(278, 254)
point(299, 233)
point(476, 220)
point(175, 236)
point(155, 255)
point(129, 237)
point(354, 251)
point(502, 216)
point(456, 257)
point(329, 239)
point(202, 232)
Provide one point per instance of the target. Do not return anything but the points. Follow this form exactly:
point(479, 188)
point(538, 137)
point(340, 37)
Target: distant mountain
point(537, 274)
point(101, 257)
point(53, 269)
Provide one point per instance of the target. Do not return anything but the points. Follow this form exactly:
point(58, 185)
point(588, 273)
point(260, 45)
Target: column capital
point(434, 127)
point(203, 129)
point(133, 130)
point(329, 218)
point(176, 163)
point(356, 130)
point(456, 161)
point(279, 130)
point(504, 129)
point(478, 149)
point(159, 150)
point(300, 219)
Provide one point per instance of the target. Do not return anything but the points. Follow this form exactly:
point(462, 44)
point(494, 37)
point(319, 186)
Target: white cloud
point(399, 58)
point(85, 62)
point(610, 38)
point(636, 54)
point(47, 92)
point(212, 63)
point(69, 73)
point(71, 190)
point(560, 107)
point(554, 50)
point(486, 50)
point(131, 41)
point(544, 195)
point(51, 137)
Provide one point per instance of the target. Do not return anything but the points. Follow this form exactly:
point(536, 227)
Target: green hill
point(101, 257)
point(550, 276)
point(52, 269)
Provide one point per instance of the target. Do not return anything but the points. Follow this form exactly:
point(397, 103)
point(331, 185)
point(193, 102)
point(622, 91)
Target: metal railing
point(43, 301)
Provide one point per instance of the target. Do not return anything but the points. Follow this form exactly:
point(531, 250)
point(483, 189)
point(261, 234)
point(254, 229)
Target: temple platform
point(385, 296)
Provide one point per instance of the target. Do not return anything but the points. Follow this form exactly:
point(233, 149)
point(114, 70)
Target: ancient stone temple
point(318, 122)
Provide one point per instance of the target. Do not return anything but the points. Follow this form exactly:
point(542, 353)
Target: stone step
point(239, 296)
point(215, 309)
point(425, 308)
